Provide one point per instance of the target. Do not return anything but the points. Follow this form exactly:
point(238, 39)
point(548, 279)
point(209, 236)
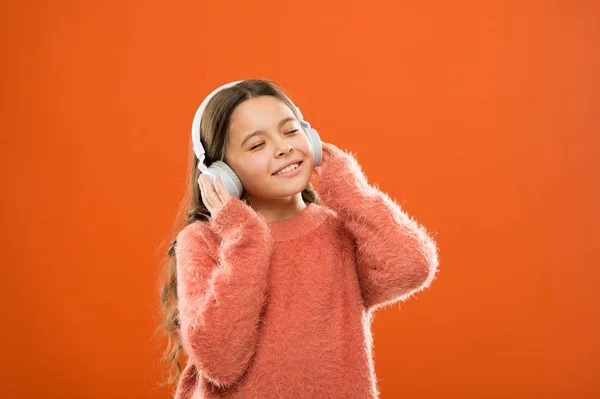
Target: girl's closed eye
point(260, 144)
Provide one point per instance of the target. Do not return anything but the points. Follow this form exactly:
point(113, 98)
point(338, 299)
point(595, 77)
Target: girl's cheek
point(299, 143)
point(257, 165)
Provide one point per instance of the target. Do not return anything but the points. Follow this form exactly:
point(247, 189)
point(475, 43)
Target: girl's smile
point(291, 173)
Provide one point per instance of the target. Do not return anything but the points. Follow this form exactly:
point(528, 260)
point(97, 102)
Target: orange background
point(480, 118)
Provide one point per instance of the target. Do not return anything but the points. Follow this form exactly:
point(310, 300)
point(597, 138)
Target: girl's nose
point(285, 148)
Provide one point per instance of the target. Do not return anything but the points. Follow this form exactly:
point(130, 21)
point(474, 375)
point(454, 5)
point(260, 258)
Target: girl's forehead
point(258, 113)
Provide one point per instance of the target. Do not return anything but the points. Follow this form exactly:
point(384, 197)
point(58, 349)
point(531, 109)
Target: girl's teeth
point(289, 168)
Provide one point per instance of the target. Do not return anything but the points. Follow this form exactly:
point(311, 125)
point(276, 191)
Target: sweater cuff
point(343, 184)
point(234, 214)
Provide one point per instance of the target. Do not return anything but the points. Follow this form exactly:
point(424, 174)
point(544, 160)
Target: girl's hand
point(329, 151)
point(214, 200)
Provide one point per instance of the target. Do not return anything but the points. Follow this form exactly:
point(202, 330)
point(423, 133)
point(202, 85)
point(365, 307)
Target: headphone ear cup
point(315, 141)
point(228, 177)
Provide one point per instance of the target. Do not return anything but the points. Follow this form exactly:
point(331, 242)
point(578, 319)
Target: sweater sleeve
point(222, 288)
point(394, 254)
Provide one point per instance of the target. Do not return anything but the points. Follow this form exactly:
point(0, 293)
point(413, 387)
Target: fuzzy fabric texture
point(283, 309)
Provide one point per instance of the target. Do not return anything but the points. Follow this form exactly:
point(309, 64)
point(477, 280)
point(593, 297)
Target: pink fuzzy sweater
point(283, 309)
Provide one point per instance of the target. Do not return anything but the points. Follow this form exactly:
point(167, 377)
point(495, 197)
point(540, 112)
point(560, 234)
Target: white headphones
point(228, 177)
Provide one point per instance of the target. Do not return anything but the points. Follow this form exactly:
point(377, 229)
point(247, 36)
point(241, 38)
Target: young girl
point(275, 285)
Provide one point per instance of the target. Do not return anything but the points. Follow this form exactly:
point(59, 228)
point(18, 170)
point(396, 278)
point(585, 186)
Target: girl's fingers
point(327, 153)
point(333, 150)
point(214, 198)
point(317, 170)
point(202, 185)
point(209, 196)
point(220, 189)
point(216, 188)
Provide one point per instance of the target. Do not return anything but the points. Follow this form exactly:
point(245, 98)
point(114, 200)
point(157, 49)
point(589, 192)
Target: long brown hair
point(213, 134)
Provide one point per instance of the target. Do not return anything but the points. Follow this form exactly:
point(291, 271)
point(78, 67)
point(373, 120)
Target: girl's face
point(264, 136)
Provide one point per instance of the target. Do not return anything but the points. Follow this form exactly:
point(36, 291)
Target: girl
point(274, 289)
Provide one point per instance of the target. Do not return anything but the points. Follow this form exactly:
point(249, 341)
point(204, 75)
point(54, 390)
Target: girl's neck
point(274, 210)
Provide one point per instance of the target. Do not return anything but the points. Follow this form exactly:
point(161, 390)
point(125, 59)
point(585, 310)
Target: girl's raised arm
point(221, 288)
point(395, 256)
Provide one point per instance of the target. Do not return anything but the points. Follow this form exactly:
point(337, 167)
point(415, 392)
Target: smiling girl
point(272, 283)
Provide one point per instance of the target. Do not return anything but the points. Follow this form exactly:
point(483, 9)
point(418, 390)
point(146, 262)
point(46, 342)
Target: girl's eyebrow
point(281, 123)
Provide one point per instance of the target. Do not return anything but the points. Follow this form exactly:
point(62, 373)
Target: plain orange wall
point(480, 118)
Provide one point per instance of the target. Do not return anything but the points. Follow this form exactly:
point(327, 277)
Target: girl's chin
point(285, 187)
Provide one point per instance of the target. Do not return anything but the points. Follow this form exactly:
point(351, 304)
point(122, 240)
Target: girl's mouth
point(291, 173)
